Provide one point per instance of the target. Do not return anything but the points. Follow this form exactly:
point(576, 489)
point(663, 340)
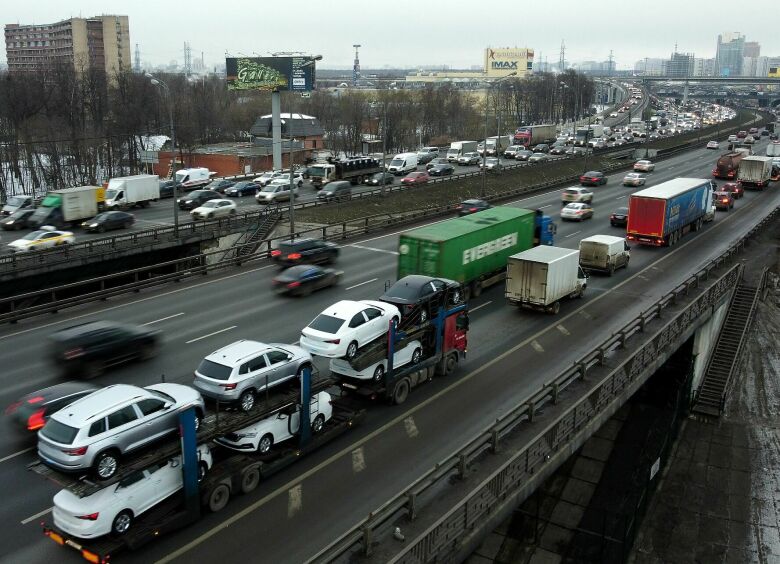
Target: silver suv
point(96, 431)
point(237, 372)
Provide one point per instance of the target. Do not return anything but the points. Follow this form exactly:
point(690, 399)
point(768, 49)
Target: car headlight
point(93, 224)
point(246, 435)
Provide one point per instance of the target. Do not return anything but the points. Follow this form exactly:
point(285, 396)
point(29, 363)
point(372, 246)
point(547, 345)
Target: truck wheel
point(450, 363)
point(476, 288)
point(379, 373)
point(401, 391)
point(319, 423)
point(554, 308)
point(611, 269)
point(218, 498)
point(250, 478)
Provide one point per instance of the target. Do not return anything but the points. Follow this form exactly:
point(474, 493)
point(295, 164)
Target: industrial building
point(498, 63)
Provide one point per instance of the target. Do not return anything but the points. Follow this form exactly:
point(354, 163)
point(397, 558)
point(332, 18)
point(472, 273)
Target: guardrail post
point(622, 339)
point(494, 441)
point(411, 505)
point(531, 410)
point(583, 370)
point(367, 534)
point(462, 467)
point(601, 356)
point(555, 391)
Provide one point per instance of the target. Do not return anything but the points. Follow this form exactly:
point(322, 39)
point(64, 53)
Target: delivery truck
point(69, 206)
point(132, 191)
point(541, 277)
point(473, 249)
point(773, 149)
point(727, 165)
point(755, 172)
point(459, 148)
point(534, 134)
point(605, 253)
point(662, 214)
point(496, 145)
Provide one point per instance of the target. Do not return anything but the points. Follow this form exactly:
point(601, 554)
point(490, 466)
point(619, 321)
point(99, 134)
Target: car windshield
point(210, 204)
point(59, 432)
point(18, 214)
point(403, 292)
point(15, 201)
point(492, 160)
point(319, 171)
point(326, 323)
point(621, 211)
point(194, 194)
point(32, 236)
point(214, 370)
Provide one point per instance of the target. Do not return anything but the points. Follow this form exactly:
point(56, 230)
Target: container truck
point(132, 191)
point(662, 214)
point(459, 148)
point(535, 134)
point(473, 249)
point(755, 172)
point(357, 170)
point(69, 206)
point(541, 277)
point(605, 253)
point(727, 165)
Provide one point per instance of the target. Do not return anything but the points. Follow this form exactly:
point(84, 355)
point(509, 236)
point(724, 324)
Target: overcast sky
point(410, 33)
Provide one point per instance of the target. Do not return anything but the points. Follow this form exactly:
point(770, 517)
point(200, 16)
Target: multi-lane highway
point(299, 511)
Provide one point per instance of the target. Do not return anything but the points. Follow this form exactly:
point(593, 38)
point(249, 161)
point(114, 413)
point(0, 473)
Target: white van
point(403, 163)
point(192, 177)
point(604, 252)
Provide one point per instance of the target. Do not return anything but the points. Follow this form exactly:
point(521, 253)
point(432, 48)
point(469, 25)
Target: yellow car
point(42, 239)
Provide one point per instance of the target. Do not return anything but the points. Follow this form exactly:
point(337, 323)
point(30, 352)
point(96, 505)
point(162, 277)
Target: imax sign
point(504, 65)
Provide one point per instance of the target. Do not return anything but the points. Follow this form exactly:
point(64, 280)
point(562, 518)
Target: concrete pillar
point(276, 128)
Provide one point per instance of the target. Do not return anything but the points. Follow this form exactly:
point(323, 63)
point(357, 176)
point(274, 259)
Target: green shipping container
point(468, 247)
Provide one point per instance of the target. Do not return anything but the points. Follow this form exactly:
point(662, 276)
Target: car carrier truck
point(473, 249)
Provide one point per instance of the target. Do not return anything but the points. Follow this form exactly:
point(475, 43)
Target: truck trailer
point(69, 206)
point(755, 172)
point(534, 134)
point(459, 148)
point(356, 170)
point(132, 191)
point(727, 165)
point(473, 249)
point(540, 278)
point(662, 214)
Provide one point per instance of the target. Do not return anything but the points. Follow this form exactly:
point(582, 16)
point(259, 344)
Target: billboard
point(501, 62)
point(270, 73)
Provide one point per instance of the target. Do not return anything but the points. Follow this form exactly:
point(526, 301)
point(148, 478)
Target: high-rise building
point(649, 66)
point(729, 54)
point(101, 42)
point(703, 67)
point(680, 65)
point(752, 49)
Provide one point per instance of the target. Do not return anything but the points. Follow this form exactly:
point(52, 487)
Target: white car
point(732, 138)
point(613, 114)
point(411, 353)
point(644, 166)
point(267, 176)
point(285, 178)
point(45, 238)
point(276, 191)
point(633, 179)
point(538, 158)
point(713, 145)
point(113, 509)
point(576, 194)
point(344, 327)
point(214, 208)
point(278, 427)
point(577, 212)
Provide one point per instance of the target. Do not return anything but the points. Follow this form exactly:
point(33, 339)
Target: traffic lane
point(433, 433)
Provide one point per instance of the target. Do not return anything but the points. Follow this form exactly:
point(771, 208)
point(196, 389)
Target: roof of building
point(300, 125)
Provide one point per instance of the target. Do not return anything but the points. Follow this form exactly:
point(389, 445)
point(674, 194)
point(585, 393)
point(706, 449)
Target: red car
point(414, 178)
point(593, 178)
point(734, 187)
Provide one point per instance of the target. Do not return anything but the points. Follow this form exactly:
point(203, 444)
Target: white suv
point(279, 427)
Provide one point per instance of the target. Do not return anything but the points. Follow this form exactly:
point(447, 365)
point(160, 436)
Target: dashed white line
point(572, 234)
point(358, 460)
point(547, 206)
point(211, 334)
point(36, 516)
point(294, 500)
point(562, 329)
point(362, 283)
point(164, 318)
point(620, 197)
point(472, 310)
point(15, 454)
point(537, 346)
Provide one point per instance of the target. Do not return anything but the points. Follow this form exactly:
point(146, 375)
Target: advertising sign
point(270, 73)
point(500, 62)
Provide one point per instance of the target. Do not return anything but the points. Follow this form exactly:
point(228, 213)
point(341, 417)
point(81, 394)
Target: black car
point(593, 178)
point(88, 349)
point(107, 221)
point(336, 191)
point(523, 155)
point(220, 185)
point(243, 188)
point(435, 162)
point(575, 151)
point(418, 297)
point(166, 188)
point(303, 279)
point(305, 251)
point(31, 412)
point(376, 179)
point(467, 207)
point(619, 217)
point(558, 150)
point(441, 170)
point(17, 220)
point(196, 198)
point(541, 148)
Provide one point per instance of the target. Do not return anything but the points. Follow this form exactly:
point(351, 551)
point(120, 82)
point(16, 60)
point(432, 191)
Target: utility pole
point(484, 147)
point(384, 146)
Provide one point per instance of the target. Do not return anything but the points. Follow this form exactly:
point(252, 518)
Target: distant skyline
point(428, 36)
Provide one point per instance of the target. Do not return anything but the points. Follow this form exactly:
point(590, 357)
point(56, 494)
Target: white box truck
point(403, 163)
point(606, 253)
point(773, 149)
point(496, 145)
point(755, 172)
point(460, 148)
point(541, 277)
point(130, 191)
point(68, 206)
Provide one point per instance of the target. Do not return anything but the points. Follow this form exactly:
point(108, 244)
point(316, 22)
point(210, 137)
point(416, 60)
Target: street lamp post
point(158, 82)
point(484, 146)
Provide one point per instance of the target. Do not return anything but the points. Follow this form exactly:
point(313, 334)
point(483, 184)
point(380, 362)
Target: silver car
point(96, 431)
point(237, 372)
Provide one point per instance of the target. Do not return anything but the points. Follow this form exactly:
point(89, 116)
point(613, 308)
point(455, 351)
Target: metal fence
point(443, 537)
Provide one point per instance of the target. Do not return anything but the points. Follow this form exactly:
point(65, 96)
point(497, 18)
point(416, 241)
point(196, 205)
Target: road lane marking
point(358, 460)
point(211, 334)
point(36, 516)
point(228, 521)
point(138, 301)
point(164, 318)
point(294, 500)
point(14, 455)
point(472, 310)
point(620, 197)
point(411, 427)
point(362, 283)
point(537, 346)
point(562, 329)
point(572, 234)
point(547, 206)
point(373, 249)
point(585, 314)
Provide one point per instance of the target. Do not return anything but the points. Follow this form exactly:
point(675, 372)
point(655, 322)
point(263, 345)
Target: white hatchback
point(214, 208)
point(344, 327)
point(279, 427)
point(114, 508)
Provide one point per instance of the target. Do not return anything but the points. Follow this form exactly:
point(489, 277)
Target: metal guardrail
point(458, 521)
